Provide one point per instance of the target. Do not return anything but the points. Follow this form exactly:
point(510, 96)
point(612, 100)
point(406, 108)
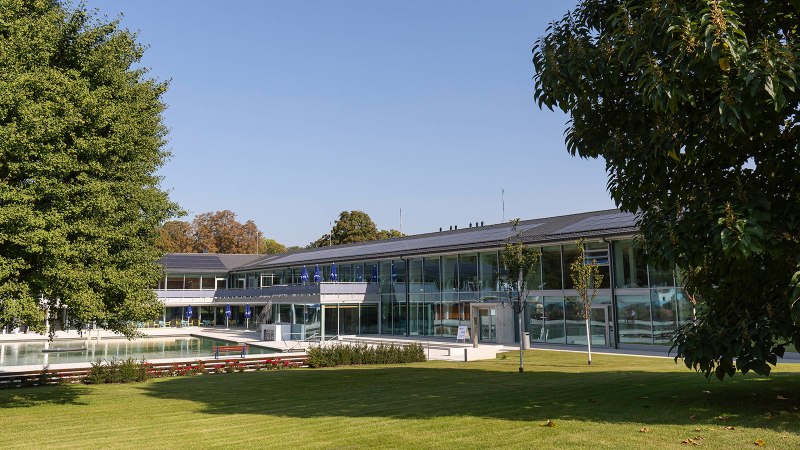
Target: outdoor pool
point(30, 353)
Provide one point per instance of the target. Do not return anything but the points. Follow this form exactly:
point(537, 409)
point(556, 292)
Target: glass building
point(430, 284)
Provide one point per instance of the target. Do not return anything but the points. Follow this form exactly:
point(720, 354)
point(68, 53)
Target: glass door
point(487, 322)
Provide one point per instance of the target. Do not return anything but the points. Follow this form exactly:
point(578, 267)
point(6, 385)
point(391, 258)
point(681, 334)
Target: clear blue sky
point(288, 112)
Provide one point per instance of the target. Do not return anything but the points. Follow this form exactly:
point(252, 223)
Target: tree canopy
point(81, 139)
point(215, 232)
point(695, 107)
point(354, 226)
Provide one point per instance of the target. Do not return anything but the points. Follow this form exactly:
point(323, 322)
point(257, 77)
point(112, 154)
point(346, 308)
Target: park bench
point(242, 349)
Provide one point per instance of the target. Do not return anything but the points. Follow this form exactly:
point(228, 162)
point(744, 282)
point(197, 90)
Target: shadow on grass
point(418, 392)
point(34, 396)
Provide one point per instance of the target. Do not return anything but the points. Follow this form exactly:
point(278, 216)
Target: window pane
point(489, 271)
point(635, 324)
point(450, 276)
point(191, 282)
point(660, 277)
point(208, 282)
point(576, 326)
point(551, 267)
point(430, 268)
point(571, 253)
point(630, 271)
point(554, 320)
point(468, 272)
point(175, 282)
point(415, 276)
point(663, 303)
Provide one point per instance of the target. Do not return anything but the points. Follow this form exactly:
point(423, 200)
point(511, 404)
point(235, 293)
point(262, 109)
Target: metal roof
point(552, 229)
point(205, 262)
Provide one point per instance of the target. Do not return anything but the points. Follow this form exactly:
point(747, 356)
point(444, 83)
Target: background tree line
point(215, 232)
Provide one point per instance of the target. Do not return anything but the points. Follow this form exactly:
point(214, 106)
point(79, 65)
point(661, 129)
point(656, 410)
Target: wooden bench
point(242, 349)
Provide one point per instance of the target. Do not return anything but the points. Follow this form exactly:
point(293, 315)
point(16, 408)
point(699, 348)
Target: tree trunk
point(521, 334)
point(589, 340)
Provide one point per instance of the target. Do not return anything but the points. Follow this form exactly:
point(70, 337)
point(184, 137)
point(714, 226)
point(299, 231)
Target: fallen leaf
point(780, 397)
point(721, 417)
point(689, 441)
point(693, 417)
point(549, 423)
point(697, 429)
point(760, 442)
point(729, 428)
point(706, 392)
point(644, 430)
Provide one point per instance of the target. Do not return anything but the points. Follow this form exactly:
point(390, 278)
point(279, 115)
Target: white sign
point(462, 333)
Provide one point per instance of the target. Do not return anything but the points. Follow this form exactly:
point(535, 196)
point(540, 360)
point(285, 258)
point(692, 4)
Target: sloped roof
point(590, 224)
point(205, 262)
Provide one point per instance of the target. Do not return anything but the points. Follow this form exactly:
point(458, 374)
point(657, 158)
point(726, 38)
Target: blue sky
point(288, 112)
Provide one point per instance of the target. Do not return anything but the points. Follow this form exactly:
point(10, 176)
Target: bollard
point(465, 355)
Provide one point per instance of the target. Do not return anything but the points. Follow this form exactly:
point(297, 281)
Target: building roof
point(551, 229)
point(205, 262)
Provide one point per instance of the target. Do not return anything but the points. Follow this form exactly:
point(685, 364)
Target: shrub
point(356, 354)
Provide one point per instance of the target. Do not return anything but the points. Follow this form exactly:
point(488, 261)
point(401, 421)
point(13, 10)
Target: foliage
point(355, 354)
point(586, 278)
point(216, 232)
point(353, 226)
point(271, 247)
point(175, 236)
point(695, 107)
point(117, 371)
point(81, 141)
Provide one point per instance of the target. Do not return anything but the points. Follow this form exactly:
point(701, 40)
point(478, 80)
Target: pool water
point(30, 353)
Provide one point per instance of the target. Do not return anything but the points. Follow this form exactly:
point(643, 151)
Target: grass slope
point(484, 404)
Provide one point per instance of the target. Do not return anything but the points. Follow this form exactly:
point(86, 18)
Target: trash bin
point(526, 340)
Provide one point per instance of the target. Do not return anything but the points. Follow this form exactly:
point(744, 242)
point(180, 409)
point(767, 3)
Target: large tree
point(354, 226)
point(217, 232)
point(695, 107)
point(81, 139)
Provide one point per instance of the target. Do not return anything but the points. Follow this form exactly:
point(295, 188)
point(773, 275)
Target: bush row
point(352, 354)
point(130, 370)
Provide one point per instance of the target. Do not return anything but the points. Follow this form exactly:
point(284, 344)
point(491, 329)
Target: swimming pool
point(31, 353)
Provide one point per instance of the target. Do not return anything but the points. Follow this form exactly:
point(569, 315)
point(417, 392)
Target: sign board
point(462, 333)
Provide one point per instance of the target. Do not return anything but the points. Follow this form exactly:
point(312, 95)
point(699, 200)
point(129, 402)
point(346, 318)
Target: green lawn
point(425, 405)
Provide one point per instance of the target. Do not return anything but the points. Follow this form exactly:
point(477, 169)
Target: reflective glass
point(551, 267)
point(630, 271)
point(664, 305)
point(635, 324)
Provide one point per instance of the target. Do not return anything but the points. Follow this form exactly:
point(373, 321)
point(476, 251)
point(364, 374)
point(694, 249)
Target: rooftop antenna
point(330, 236)
point(503, 200)
point(401, 220)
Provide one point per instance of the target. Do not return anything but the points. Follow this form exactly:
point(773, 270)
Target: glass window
point(635, 324)
point(554, 320)
point(415, 275)
point(489, 272)
point(660, 277)
point(162, 283)
point(468, 272)
point(450, 276)
point(385, 276)
point(345, 273)
point(598, 252)
point(630, 271)
point(664, 305)
point(368, 319)
point(576, 326)
point(685, 307)
point(175, 282)
point(536, 318)
point(534, 279)
point(571, 253)
point(208, 282)
point(191, 282)
point(551, 267)
point(430, 269)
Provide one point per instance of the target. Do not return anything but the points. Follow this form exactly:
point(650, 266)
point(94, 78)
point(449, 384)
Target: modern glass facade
point(432, 294)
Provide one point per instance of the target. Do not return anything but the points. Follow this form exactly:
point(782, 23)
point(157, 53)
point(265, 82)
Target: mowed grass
point(484, 404)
